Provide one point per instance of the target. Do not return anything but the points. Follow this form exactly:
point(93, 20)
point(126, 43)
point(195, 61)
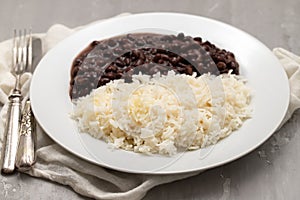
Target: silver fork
point(21, 44)
point(26, 149)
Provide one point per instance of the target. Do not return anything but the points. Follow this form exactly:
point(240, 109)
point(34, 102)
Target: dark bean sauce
point(123, 56)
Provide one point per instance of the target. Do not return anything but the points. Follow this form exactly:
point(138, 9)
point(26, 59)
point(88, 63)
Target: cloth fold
point(58, 165)
point(291, 65)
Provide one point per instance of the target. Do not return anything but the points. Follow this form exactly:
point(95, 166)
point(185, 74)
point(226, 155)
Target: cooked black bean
point(130, 37)
point(74, 71)
point(119, 62)
point(180, 36)
point(140, 42)
point(142, 55)
point(156, 58)
point(127, 61)
point(95, 43)
point(198, 39)
point(189, 70)
point(111, 68)
point(101, 46)
point(123, 56)
point(221, 65)
point(110, 75)
point(119, 75)
point(103, 81)
point(165, 57)
point(111, 43)
point(77, 62)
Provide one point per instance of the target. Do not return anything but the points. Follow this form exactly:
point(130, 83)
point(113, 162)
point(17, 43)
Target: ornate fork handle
point(11, 132)
point(26, 152)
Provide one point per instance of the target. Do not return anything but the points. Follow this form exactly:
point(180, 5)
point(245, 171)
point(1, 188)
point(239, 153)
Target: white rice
point(164, 113)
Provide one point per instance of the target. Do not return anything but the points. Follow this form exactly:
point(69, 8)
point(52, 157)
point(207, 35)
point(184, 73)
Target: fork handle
point(26, 150)
point(11, 133)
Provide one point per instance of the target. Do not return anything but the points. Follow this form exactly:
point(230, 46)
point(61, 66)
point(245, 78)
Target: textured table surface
point(270, 172)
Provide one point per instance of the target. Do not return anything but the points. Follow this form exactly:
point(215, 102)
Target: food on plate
point(122, 56)
point(164, 114)
point(158, 94)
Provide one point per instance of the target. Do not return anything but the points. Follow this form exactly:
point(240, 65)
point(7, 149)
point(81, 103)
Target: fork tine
point(24, 51)
point(19, 57)
point(29, 53)
point(15, 50)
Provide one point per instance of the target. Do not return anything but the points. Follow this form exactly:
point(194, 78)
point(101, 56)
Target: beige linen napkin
point(56, 164)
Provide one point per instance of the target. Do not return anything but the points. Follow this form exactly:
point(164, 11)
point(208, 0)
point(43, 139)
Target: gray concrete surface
point(270, 172)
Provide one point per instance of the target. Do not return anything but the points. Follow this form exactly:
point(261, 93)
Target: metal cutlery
point(26, 150)
point(21, 45)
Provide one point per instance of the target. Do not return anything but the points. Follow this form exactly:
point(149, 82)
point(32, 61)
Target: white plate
point(51, 103)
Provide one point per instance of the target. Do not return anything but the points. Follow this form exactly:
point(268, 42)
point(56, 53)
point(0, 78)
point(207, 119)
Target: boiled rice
point(164, 113)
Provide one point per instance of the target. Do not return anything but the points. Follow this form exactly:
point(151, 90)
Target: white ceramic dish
point(51, 103)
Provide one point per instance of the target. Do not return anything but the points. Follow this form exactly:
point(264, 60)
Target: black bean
point(135, 53)
point(165, 57)
point(77, 62)
point(149, 42)
point(95, 43)
point(234, 64)
point(127, 61)
point(101, 46)
point(111, 68)
point(110, 75)
point(119, 62)
point(128, 69)
point(161, 50)
point(206, 47)
point(188, 39)
point(153, 50)
point(103, 81)
point(74, 71)
point(231, 54)
point(174, 60)
point(156, 58)
point(180, 36)
point(221, 65)
point(220, 57)
point(128, 46)
point(198, 39)
point(119, 75)
point(189, 70)
point(142, 55)
point(160, 61)
point(207, 43)
point(130, 37)
point(111, 43)
point(166, 38)
point(139, 42)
